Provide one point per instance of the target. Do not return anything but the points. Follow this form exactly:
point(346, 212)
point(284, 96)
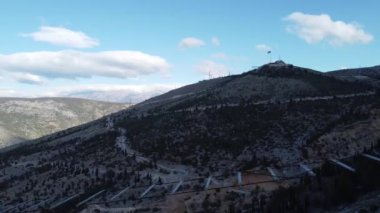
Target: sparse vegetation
point(219, 144)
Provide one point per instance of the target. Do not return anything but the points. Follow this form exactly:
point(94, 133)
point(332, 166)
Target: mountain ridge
point(368, 75)
point(261, 84)
point(29, 118)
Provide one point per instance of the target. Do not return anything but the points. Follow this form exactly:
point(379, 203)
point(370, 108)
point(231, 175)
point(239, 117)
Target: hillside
point(24, 119)
point(275, 82)
point(369, 75)
point(213, 146)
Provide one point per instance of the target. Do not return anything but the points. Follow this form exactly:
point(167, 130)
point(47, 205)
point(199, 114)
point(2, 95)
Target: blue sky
point(120, 50)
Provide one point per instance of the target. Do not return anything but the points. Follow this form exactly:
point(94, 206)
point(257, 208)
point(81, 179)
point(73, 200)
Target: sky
point(128, 51)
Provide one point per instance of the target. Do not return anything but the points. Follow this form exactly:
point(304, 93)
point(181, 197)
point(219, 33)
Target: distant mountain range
point(23, 119)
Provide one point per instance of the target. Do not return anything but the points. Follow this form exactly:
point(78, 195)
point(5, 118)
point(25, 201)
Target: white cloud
point(263, 48)
point(211, 68)
point(74, 64)
point(102, 92)
point(63, 37)
point(28, 78)
point(7, 92)
point(316, 28)
point(225, 57)
point(113, 93)
point(191, 42)
point(215, 41)
point(219, 56)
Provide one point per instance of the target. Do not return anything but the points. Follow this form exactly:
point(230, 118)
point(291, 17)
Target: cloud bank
point(263, 48)
point(116, 93)
point(316, 28)
point(211, 68)
point(191, 42)
point(27, 78)
point(73, 64)
point(7, 92)
point(63, 37)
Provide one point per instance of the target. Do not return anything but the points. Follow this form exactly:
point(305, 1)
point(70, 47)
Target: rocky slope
point(24, 119)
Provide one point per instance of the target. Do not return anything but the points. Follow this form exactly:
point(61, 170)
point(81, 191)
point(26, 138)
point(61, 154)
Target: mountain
point(271, 82)
point(276, 105)
point(370, 75)
point(24, 119)
point(213, 146)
